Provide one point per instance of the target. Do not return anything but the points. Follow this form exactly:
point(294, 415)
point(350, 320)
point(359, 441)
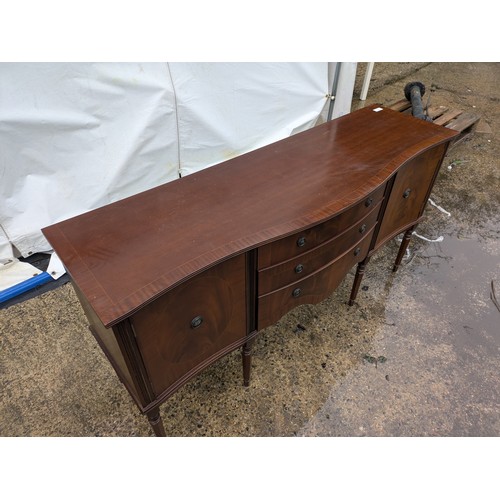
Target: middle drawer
point(294, 269)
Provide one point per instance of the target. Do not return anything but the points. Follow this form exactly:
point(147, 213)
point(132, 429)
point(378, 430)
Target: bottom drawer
point(310, 290)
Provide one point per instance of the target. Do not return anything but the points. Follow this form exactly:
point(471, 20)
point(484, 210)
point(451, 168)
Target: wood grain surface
point(126, 254)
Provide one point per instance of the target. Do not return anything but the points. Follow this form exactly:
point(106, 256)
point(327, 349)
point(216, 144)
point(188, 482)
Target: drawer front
point(302, 242)
point(410, 192)
point(299, 267)
point(180, 331)
point(311, 290)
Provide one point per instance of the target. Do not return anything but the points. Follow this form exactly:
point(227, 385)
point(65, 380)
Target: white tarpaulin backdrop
point(76, 136)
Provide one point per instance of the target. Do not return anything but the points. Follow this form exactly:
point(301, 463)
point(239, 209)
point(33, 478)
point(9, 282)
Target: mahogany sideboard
point(174, 278)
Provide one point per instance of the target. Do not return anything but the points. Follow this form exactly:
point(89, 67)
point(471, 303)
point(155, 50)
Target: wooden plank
point(463, 122)
point(446, 117)
point(435, 111)
point(463, 135)
point(400, 105)
point(404, 106)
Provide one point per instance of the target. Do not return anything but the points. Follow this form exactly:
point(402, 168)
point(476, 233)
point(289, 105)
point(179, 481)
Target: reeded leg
point(402, 248)
point(156, 423)
point(360, 271)
point(246, 356)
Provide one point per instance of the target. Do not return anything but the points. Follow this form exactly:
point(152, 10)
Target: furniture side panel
point(107, 341)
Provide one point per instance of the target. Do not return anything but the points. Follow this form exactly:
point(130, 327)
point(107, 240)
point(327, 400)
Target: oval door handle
point(299, 268)
point(301, 242)
point(407, 193)
point(362, 229)
point(368, 202)
point(357, 251)
point(296, 292)
point(196, 322)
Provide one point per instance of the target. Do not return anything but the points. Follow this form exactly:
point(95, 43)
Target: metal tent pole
point(334, 90)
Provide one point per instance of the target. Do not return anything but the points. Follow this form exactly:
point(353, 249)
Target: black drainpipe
point(414, 92)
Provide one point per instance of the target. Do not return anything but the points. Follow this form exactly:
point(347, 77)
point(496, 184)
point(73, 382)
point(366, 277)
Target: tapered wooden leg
point(246, 356)
point(156, 423)
point(402, 248)
point(360, 271)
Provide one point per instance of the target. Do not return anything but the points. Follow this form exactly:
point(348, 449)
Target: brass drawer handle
point(299, 268)
point(296, 292)
point(362, 229)
point(406, 193)
point(368, 202)
point(196, 322)
point(357, 251)
point(301, 242)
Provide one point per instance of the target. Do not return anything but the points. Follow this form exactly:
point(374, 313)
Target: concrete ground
point(417, 355)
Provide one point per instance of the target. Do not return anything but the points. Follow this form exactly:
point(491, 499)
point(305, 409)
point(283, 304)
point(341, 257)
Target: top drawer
point(303, 241)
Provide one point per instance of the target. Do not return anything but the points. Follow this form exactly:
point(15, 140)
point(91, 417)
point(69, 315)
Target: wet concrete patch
point(440, 339)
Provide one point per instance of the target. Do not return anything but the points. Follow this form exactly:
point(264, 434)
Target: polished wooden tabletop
point(127, 253)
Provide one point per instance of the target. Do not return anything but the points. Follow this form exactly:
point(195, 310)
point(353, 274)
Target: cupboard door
point(192, 325)
point(410, 192)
